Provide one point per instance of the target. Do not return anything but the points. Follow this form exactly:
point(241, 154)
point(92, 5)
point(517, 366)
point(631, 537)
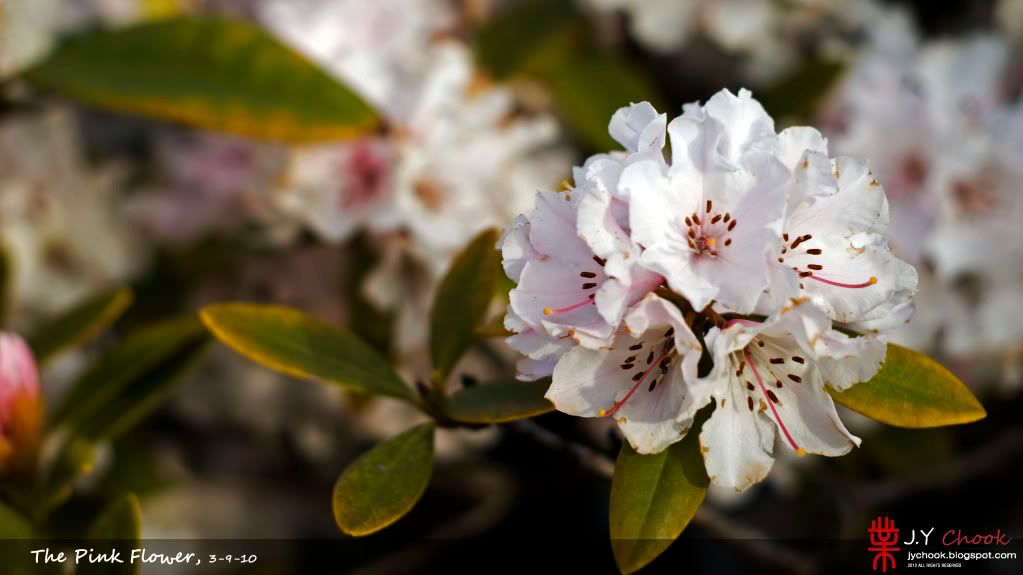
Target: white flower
point(573, 261)
point(563, 287)
point(374, 47)
point(741, 221)
point(707, 222)
point(767, 382)
point(833, 247)
point(644, 380)
point(59, 217)
point(338, 188)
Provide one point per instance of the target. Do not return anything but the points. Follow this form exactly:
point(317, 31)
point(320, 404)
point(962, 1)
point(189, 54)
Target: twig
point(753, 542)
point(982, 460)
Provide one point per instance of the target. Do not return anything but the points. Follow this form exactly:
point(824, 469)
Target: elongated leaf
point(297, 344)
point(76, 458)
point(589, 88)
point(912, 390)
point(385, 483)
point(499, 402)
point(131, 379)
point(79, 324)
point(208, 72)
point(120, 525)
point(16, 545)
point(462, 300)
point(653, 498)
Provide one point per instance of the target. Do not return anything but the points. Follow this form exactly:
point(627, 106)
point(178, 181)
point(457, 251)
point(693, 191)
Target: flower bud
point(20, 405)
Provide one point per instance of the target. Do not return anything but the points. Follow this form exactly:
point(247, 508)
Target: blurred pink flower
point(20, 413)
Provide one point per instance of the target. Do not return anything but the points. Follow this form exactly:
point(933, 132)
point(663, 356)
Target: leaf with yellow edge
point(912, 390)
point(80, 323)
point(208, 72)
point(297, 344)
point(385, 483)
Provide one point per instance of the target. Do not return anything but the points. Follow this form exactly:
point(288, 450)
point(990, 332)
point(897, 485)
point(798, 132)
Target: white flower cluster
point(940, 119)
point(746, 247)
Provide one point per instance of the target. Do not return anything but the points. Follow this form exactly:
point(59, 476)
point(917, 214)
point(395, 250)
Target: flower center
point(711, 233)
point(365, 173)
point(791, 249)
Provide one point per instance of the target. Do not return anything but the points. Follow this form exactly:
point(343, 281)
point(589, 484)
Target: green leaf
point(6, 283)
point(297, 344)
point(796, 97)
point(76, 458)
point(385, 483)
point(120, 525)
point(122, 520)
point(208, 72)
point(462, 301)
point(653, 498)
point(131, 379)
point(16, 544)
point(79, 324)
point(912, 390)
point(591, 87)
point(499, 402)
point(13, 525)
point(530, 37)
point(372, 325)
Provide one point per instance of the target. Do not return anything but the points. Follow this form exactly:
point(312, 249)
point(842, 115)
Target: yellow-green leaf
point(653, 498)
point(79, 324)
point(385, 483)
point(13, 525)
point(120, 525)
point(300, 345)
point(208, 72)
point(912, 390)
point(131, 379)
point(462, 300)
point(499, 402)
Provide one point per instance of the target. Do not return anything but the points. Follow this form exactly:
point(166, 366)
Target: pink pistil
point(566, 309)
point(618, 404)
point(784, 430)
point(868, 283)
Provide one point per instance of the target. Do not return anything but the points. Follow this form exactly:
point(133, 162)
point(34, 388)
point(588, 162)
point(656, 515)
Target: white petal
point(744, 119)
point(649, 210)
point(553, 231)
point(845, 361)
point(516, 249)
point(638, 127)
point(793, 142)
point(737, 443)
point(649, 420)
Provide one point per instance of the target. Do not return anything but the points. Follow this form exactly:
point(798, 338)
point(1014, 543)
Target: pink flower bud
point(20, 408)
